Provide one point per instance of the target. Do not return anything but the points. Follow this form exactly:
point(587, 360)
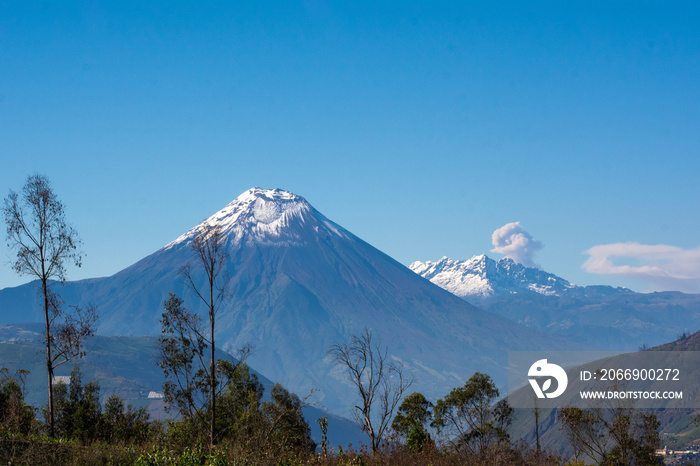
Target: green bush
point(16, 417)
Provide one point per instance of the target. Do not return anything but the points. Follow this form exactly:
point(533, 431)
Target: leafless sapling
point(379, 382)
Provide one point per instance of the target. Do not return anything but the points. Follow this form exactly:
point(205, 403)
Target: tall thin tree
point(44, 242)
point(210, 256)
point(184, 348)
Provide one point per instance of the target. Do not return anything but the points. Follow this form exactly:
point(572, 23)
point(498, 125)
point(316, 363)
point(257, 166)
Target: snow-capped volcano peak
point(270, 207)
point(482, 277)
point(462, 278)
point(265, 216)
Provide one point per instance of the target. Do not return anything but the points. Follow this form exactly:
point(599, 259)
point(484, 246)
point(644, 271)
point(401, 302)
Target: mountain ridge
point(482, 277)
point(607, 317)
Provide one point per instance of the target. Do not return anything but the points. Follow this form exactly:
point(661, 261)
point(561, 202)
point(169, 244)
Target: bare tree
point(37, 230)
point(210, 256)
point(380, 383)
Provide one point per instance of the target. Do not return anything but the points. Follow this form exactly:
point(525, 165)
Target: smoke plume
point(516, 243)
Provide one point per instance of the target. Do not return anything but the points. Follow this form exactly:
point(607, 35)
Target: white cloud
point(516, 243)
point(664, 267)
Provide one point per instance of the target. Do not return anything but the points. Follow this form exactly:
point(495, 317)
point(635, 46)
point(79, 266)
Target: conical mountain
point(300, 283)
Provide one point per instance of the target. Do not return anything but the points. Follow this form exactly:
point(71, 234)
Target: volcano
point(298, 284)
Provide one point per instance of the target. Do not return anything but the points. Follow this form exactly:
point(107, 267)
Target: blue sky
point(422, 127)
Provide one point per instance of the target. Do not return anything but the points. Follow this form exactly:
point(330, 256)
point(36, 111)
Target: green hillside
point(127, 366)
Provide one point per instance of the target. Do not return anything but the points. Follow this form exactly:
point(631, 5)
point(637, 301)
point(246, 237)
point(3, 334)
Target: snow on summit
point(462, 278)
point(266, 216)
point(482, 277)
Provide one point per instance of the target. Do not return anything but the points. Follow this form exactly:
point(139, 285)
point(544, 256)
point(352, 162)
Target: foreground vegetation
point(257, 432)
point(71, 453)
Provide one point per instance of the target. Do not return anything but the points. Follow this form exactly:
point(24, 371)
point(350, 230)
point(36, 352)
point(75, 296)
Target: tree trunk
point(372, 437)
point(537, 425)
point(49, 365)
point(212, 372)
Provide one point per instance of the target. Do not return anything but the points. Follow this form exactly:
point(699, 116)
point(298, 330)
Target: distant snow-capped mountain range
point(483, 277)
point(603, 316)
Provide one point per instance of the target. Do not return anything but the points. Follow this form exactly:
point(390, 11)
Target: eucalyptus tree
point(471, 417)
point(412, 417)
point(44, 242)
point(209, 247)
